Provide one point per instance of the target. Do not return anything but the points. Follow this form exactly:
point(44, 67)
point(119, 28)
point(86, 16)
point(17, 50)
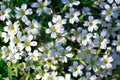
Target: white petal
point(34, 5)
point(117, 1)
point(69, 55)
point(53, 35)
point(30, 37)
point(47, 10)
point(118, 48)
point(24, 7)
point(48, 31)
point(28, 48)
point(28, 11)
point(33, 43)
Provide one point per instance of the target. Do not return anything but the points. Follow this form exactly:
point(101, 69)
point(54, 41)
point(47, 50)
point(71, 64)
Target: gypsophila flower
point(92, 23)
point(34, 56)
point(76, 69)
point(59, 39)
point(58, 20)
point(101, 41)
point(109, 12)
point(4, 12)
point(70, 3)
point(33, 28)
point(23, 12)
point(73, 15)
point(54, 30)
point(84, 38)
point(42, 6)
point(105, 62)
point(28, 42)
point(89, 76)
point(117, 43)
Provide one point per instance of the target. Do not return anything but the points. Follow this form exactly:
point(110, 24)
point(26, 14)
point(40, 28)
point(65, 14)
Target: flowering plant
point(59, 39)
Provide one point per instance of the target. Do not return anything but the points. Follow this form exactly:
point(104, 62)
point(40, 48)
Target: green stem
point(10, 74)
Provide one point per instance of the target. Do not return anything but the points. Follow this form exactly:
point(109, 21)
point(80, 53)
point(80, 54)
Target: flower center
point(17, 41)
point(88, 79)
point(22, 12)
point(75, 69)
point(41, 6)
point(118, 42)
point(63, 53)
point(90, 23)
point(72, 15)
point(52, 78)
point(84, 37)
point(22, 66)
point(88, 51)
point(12, 27)
point(33, 56)
point(32, 26)
point(47, 51)
point(2, 12)
point(110, 12)
point(8, 52)
point(105, 61)
point(14, 58)
point(54, 29)
point(27, 43)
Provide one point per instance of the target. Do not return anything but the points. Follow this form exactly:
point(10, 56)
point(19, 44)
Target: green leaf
point(3, 68)
point(63, 9)
point(98, 51)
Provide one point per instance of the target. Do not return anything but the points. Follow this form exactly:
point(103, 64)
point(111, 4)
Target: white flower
point(111, 11)
point(105, 62)
point(111, 31)
point(6, 51)
point(17, 41)
point(86, 10)
point(12, 28)
point(14, 57)
point(58, 20)
point(34, 56)
point(4, 13)
point(117, 43)
point(66, 53)
point(22, 65)
point(84, 38)
point(67, 77)
point(52, 76)
point(54, 30)
point(75, 33)
point(73, 16)
point(42, 6)
point(5, 37)
point(23, 12)
point(117, 1)
point(28, 42)
point(100, 3)
point(76, 69)
point(89, 76)
point(111, 1)
point(70, 3)
point(101, 41)
point(33, 28)
point(92, 24)
point(92, 63)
